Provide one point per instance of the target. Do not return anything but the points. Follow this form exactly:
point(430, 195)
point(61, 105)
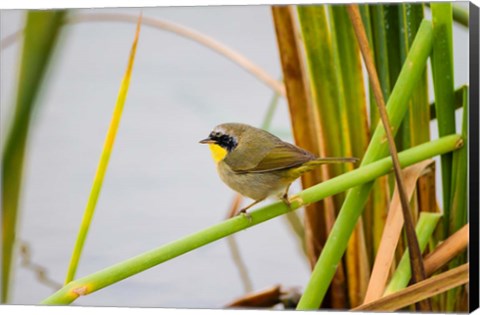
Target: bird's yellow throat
point(218, 153)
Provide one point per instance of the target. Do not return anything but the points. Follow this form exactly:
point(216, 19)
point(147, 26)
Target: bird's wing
point(282, 156)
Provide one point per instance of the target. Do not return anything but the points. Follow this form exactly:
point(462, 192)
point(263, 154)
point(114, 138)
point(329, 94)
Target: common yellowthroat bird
point(257, 164)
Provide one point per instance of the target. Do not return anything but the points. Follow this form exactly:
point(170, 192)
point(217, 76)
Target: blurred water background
point(160, 184)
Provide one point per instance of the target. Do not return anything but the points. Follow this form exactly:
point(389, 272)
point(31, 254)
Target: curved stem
point(181, 30)
point(189, 33)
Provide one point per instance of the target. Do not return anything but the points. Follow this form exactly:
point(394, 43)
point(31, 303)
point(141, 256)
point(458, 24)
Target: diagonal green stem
point(142, 262)
point(460, 15)
point(103, 163)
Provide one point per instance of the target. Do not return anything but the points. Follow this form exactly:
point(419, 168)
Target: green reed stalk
point(393, 41)
point(321, 65)
point(142, 262)
point(443, 83)
point(413, 129)
point(330, 115)
point(350, 70)
point(103, 163)
point(380, 45)
point(459, 209)
point(375, 210)
point(321, 68)
point(41, 34)
point(460, 15)
point(459, 197)
point(353, 113)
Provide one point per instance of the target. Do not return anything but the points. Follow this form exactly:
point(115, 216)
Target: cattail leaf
point(103, 162)
point(40, 37)
point(424, 230)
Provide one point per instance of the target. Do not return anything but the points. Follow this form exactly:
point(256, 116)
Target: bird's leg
point(244, 210)
point(284, 197)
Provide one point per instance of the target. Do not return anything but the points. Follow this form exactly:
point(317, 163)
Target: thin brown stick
point(295, 223)
point(416, 261)
point(40, 272)
point(420, 291)
point(234, 206)
point(447, 250)
point(10, 39)
point(235, 251)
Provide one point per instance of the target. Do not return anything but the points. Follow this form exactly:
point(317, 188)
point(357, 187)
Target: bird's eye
point(227, 142)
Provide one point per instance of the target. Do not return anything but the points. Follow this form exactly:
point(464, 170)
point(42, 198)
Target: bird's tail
point(310, 165)
point(331, 160)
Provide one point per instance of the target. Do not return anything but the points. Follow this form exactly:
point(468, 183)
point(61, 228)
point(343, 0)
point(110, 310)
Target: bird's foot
point(246, 214)
point(285, 200)
point(289, 201)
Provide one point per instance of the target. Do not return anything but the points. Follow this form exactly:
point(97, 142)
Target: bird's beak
point(208, 140)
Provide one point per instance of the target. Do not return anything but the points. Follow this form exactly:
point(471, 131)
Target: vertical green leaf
point(349, 68)
point(40, 36)
point(414, 130)
point(304, 116)
point(415, 127)
point(459, 197)
point(305, 126)
point(459, 213)
point(380, 47)
point(368, 22)
point(321, 66)
point(103, 162)
point(353, 111)
point(379, 14)
point(375, 210)
point(392, 25)
point(443, 83)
